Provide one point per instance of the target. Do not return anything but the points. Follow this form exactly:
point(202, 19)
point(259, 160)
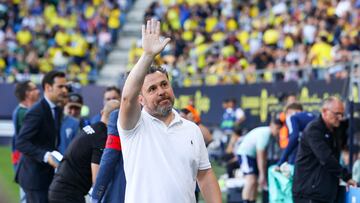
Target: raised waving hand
point(151, 43)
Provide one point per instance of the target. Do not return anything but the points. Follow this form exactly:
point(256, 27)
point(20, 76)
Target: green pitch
point(8, 188)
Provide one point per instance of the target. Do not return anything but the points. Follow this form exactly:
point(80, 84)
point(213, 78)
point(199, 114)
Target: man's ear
point(141, 99)
point(323, 111)
point(47, 87)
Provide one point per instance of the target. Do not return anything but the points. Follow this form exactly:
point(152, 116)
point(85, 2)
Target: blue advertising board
point(257, 100)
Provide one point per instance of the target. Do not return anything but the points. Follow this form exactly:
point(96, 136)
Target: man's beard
point(164, 111)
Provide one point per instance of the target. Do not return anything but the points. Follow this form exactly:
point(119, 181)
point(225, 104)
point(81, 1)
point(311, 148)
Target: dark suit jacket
point(38, 135)
point(317, 166)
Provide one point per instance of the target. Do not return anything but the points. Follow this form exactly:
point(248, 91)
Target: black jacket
point(38, 135)
point(317, 167)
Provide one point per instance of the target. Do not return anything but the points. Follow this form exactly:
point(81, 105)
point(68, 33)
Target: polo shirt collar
point(177, 117)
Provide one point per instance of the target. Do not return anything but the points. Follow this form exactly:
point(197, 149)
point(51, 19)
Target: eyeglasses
point(337, 114)
point(108, 99)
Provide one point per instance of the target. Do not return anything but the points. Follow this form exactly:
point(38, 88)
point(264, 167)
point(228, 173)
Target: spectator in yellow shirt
point(271, 36)
point(114, 23)
point(61, 37)
point(320, 53)
point(24, 36)
point(45, 63)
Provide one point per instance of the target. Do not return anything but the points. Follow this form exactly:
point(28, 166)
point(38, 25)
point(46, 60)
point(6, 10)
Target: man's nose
point(161, 91)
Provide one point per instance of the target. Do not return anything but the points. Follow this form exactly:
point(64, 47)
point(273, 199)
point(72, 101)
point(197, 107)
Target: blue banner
point(258, 101)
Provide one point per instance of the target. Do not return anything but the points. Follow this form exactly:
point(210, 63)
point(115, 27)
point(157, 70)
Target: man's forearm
point(136, 77)
point(26, 147)
point(209, 186)
point(261, 162)
point(130, 107)
point(293, 143)
point(94, 171)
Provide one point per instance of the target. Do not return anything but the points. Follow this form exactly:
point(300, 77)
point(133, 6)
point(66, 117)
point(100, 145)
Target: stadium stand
point(214, 42)
point(72, 36)
point(231, 42)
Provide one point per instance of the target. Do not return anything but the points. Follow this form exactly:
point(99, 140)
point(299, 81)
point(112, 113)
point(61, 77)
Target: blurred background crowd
point(214, 42)
point(72, 36)
point(231, 42)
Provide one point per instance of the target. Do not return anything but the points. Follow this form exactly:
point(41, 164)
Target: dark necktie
point(57, 117)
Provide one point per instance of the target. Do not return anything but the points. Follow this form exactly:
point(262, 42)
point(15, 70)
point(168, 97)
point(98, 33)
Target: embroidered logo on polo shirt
point(88, 130)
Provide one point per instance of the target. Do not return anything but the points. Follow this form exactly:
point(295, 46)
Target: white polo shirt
point(161, 162)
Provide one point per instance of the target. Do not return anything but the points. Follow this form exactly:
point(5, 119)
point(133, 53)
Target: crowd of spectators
point(74, 36)
point(229, 42)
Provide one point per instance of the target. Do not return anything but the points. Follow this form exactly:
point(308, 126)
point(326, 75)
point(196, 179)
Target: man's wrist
point(148, 56)
point(46, 157)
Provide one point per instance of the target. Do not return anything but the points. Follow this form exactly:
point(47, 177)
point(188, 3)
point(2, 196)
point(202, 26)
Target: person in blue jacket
point(69, 129)
point(110, 182)
point(70, 124)
point(296, 123)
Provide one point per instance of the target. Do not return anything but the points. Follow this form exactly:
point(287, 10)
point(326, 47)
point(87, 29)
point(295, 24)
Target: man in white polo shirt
point(163, 153)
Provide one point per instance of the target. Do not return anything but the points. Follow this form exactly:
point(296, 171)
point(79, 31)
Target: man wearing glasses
point(27, 94)
point(317, 166)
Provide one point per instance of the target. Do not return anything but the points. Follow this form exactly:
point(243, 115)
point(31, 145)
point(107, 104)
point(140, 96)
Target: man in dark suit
point(38, 137)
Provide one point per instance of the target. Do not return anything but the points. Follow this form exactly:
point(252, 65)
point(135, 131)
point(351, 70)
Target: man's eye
point(151, 89)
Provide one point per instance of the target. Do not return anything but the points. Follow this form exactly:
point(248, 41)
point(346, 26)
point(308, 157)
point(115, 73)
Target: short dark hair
point(113, 88)
point(284, 96)
point(154, 69)
point(50, 76)
point(20, 90)
point(294, 106)
point(185, 111)
point(233, 100)
point(276, 121)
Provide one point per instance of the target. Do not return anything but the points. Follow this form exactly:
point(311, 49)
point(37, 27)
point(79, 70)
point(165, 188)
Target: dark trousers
point(231, 164)
point(65, 197)
point(303, 200)
point(36, 196)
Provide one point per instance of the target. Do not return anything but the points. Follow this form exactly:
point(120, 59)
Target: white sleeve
point(239, 113)
point(204, 162)
point(126, 133)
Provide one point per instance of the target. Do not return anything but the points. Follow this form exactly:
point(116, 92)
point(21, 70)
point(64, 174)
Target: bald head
point(330, 101)
point(332, 112)
point(109, 106)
